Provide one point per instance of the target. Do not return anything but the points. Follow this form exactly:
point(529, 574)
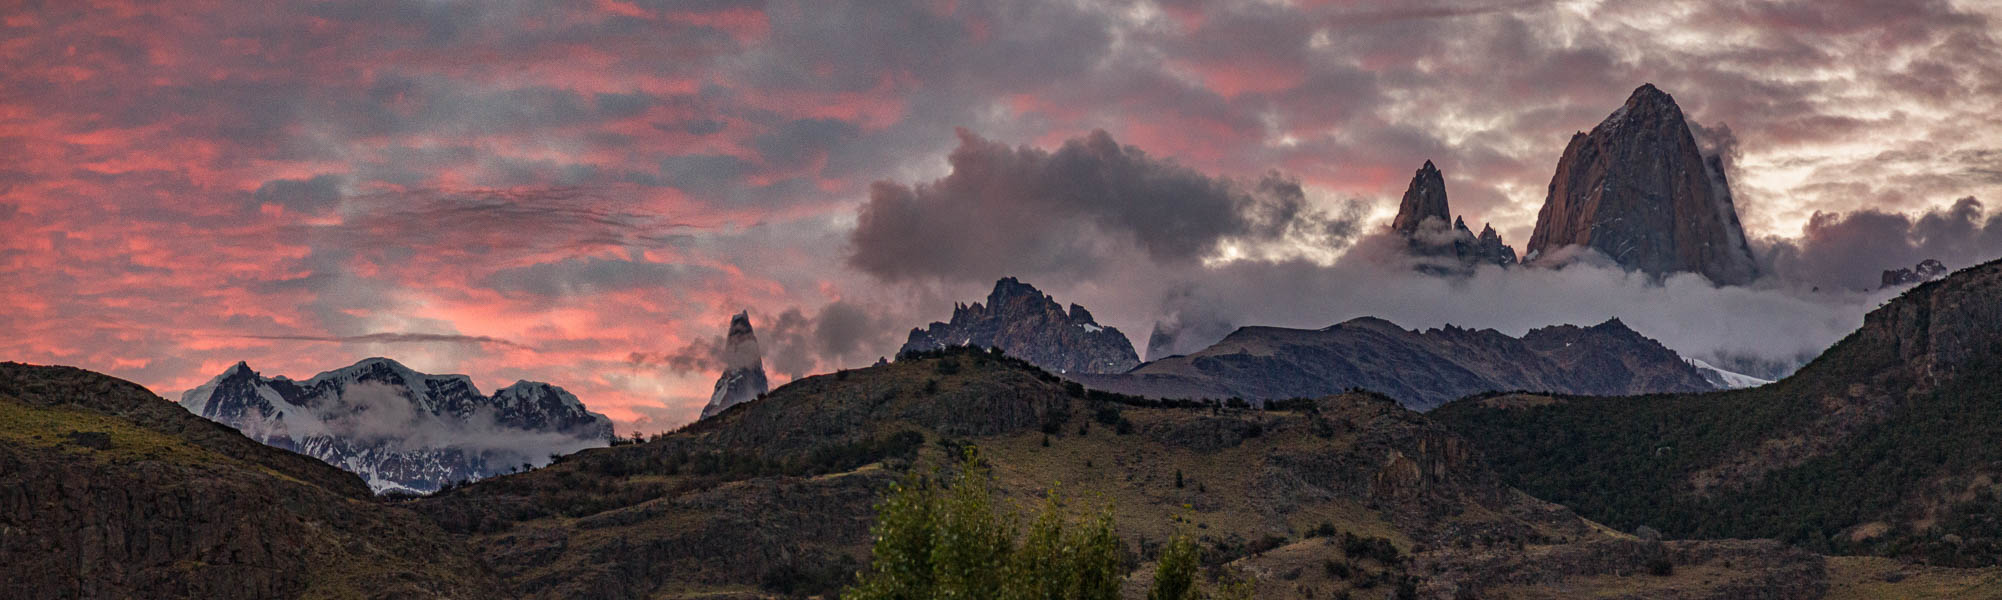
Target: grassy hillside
point(1883, 445)
point(775, 496)
point(109, 491)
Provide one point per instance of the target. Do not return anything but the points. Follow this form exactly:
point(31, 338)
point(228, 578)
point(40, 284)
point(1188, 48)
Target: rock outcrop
point(1443, 249)
point(743, 378)
point(1025, 322)
point(1420, 369)
point(1926, 270)
point(399, 429)
point(1638, 189)
point(1424, 199)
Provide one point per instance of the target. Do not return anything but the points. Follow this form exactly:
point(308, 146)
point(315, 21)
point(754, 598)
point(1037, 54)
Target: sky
point(583, 192)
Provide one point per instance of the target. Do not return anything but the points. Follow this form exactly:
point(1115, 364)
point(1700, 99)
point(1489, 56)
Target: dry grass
point(1873, 578)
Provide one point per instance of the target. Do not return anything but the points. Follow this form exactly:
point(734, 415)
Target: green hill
point(1886, 444)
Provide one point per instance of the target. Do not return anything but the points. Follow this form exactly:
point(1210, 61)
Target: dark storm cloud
point(1850, 251)
point(1028, 211)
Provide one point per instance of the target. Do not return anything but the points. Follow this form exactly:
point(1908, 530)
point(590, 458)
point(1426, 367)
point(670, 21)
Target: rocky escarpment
point(1422, 220)
point(743, 378)
point(1421, 369)
point(1638, 189)
point(399, 429)
point(1027, 323)
point(107, 491)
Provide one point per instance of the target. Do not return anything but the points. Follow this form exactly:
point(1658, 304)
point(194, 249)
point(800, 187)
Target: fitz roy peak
point(1640, 190)
point(743, 378)
point(399, 429)
point(1026, 323)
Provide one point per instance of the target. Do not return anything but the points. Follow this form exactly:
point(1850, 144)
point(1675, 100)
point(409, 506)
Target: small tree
point(1175, 573)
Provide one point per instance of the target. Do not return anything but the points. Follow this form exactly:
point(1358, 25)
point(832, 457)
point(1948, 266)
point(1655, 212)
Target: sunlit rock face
point(399, 429)
point(743, 378)
point(1639, 189)
point(1026, 323)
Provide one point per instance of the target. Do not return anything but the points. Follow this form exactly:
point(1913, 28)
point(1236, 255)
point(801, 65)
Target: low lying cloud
point(795, 343)
point(371, 413)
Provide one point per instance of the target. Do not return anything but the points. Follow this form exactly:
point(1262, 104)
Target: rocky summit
point(1422, 219)
point(743, 378)
point(399, 429)
point(1638, 189)
point(1421, 369)
point(1424, 199)
point(1926, 270)
point(1025, 322)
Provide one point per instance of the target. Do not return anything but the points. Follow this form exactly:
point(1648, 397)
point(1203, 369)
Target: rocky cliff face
point(1638, 189)
point(107, 491)
point(1443, 249)
point(1424, 199)
point(743, 378)
point(1420, 369)
point(400, 429)
point(1025, 322)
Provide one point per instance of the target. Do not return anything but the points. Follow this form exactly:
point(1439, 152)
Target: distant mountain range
point(399, 429)
point(1420, 369)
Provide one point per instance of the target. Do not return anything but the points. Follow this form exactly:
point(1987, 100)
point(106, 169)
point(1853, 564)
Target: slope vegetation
point(1883, 445)
point(107, 491)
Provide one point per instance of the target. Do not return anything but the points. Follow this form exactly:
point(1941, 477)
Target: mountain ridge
point(400, 429)
point(1422, 369)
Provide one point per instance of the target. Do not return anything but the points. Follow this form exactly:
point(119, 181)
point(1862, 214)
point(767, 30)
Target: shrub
point(1660, 567)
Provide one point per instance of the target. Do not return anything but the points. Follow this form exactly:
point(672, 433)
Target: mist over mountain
point(399, 429)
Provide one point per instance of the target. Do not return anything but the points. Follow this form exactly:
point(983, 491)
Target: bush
point(1660, 567)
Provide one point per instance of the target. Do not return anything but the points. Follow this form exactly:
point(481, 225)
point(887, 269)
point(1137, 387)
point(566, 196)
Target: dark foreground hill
point(1421, 369)
point(107, 491)
point(1889, 443)
point(1346, 495)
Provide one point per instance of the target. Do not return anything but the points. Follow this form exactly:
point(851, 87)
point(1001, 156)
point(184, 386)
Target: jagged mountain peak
point(435, 429)
point(1639, 189)
point(743, 378)
point(1441, 241)
point(1424, 199)
point(1025, 322)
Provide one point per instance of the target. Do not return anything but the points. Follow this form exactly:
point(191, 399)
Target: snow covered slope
point(399, 429)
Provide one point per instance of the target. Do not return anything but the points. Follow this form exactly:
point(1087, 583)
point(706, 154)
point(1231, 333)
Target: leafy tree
point(1175, 574)
point(947, 538)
